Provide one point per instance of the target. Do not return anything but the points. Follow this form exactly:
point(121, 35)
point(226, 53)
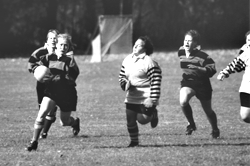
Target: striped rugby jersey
point(35, 57)
point(145, 75)
point(240, 63)
point(196, 58)
point(65, 66)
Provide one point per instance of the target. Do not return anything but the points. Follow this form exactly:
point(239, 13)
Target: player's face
point(138, 47)
point(62, 46)
point(248, 40)
point(51, 41)
point(188, 43)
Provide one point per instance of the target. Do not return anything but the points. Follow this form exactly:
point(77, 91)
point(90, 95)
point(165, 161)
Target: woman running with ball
point(59, 89)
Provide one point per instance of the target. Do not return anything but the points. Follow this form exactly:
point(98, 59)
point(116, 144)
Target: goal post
point(115, 36)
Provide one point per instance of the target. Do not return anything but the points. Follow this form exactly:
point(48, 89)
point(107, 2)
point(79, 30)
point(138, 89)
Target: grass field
point(103, 137)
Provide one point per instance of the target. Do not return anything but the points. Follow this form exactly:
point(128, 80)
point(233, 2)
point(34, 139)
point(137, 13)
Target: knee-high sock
point(187, 110)
point(213, 120)
point(133, 133)
point(47, 123)
point(50, 118)
point(38, 126)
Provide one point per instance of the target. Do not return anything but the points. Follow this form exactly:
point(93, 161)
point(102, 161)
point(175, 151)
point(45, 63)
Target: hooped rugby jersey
point(65, 66)
point(196, 58)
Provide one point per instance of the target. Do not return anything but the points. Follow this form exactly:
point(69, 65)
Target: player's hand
point(125, 84)
point(221, 76)
point(48, 78)
point(190, 66)
point(148, 103)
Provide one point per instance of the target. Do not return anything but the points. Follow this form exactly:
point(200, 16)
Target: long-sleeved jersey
point(196, 58)
point(35, 57)
point(145, 77)
point(65, 66)
point(240, 63)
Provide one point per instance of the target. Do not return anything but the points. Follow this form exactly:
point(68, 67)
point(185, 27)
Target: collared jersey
point(144, 75)
point(196, 58)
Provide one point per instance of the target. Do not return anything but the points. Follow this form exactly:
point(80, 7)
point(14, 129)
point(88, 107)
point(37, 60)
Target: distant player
point(241, 63)
point(35, 58)
point(140, 76)
point(60, 89)
point(197, 68)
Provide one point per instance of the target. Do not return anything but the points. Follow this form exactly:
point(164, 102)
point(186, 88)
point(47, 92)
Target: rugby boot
point(133, 144)
point(190, 129)
point(215, 133)
point(76, 127)
point(32, 146)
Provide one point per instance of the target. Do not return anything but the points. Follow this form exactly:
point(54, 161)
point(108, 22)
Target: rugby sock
point(38, 126)
point(71, 121)
point(213, 120)
point(47, 123)
point(50, 118)
point(133, 133)
point(187, 110)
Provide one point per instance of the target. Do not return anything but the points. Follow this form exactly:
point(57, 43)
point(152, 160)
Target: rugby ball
point(40, 72)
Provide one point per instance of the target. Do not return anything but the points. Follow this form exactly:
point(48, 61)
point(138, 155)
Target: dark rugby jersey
point(196, 58)
point(65, 66)
point(35, 57)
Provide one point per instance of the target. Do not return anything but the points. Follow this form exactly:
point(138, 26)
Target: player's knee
point(143, 119)
point(246, 119)
point(245, 115)
point(183, 103)
point(51, 118)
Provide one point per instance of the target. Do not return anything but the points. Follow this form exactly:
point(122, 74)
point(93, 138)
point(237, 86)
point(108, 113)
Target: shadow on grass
point(177, 145)
point(126, 135)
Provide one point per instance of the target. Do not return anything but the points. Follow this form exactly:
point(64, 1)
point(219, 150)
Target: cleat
point(43, 135)
point(76, 127)
point(32, 146)
point(155, 120)
point(133, 144)
point(215, 133)
point(190, 129)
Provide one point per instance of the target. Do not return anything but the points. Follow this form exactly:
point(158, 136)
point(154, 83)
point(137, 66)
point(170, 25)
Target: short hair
point(195, 35)
point(56, 32)
point(248, 33)
point(148, 44)
point(64, 36)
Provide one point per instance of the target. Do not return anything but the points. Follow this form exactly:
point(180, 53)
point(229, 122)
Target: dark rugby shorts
point(140, 108)
point(245, 99)
point(64, 95)
point(203, 90)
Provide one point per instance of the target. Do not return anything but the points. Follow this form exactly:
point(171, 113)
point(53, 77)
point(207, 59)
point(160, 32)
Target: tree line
point(25, 23)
